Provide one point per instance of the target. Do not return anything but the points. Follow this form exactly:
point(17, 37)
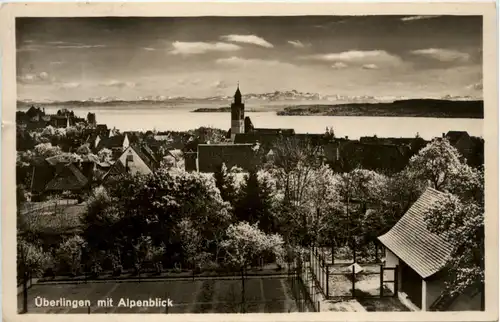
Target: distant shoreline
point(402, 108)
point(220, 110)
point(433, 108)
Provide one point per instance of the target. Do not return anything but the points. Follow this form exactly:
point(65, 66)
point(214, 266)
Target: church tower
point(237, 114)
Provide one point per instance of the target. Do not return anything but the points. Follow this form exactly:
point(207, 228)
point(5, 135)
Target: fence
point(346, 280)
point(368, 253)
point(302, 286)
point(47, 206)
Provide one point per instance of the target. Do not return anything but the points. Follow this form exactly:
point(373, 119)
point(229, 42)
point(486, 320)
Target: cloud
point(80, 46)
point(30, 47)
point(413, 18)
point(60, 43)
point(379, 57)
point(220, 84)
point(149, 49)
point(339, 65)
point(250, 62)
point(296, 43)
point(32, 78)
point(193, 48)
point(70, 85)
point(43, 76)
point(443, 55)
point(57, 63)
point(248, 39)
point(188, 81)
point(370, 66)
point(119, 84)
point(476, 86)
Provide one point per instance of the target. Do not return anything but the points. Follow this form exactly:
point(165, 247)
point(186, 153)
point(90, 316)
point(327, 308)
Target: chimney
point(444, 134)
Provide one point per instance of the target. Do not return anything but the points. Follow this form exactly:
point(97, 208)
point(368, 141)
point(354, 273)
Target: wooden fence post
point(381, 280)
point(396, 280)
point(327, 283)
point(354, 249)
point(353, 276)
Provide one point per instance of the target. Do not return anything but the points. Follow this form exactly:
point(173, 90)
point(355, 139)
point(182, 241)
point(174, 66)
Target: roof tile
point(410, 240)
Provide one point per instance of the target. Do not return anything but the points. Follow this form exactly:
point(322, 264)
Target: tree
point(294, 161)
point(225, 182)
point(84, 149)
point(435, 163)
point(31, 261)
point(308, 218)
point(255, 201)
point(46, 150)
point(459, 219)
point(143, 251)
point(190, 240)
point(244, 243)
point(100, 220)
point(105, 155)
point(69, 254)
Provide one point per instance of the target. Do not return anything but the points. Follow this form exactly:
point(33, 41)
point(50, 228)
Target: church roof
point(237, 93)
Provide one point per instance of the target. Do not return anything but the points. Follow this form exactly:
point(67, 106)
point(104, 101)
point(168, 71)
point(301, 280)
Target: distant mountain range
point(276, 96)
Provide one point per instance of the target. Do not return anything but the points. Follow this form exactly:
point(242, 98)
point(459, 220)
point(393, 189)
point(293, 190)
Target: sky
point(62, 59)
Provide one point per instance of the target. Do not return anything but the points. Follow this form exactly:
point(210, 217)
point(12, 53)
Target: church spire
point(237, 94)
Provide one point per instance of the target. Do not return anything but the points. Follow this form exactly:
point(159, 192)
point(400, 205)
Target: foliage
point(459, 219)
point(190, 240)
point(208, 134)
point(31, 259)
point(224, 180)
point(308, 217)
point(69, 254)
point(100, 220)
point(144, 251)
point(153, 206)
point(436, 163)
point(46, 150)
point(84, 149)
point(245, 242)
point(105, 155)
point(255, 203)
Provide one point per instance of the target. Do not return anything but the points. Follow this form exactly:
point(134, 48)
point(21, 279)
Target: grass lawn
point(264, 295)
point(386, 304)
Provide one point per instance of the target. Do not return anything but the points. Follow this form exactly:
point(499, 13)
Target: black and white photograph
point(250, 164)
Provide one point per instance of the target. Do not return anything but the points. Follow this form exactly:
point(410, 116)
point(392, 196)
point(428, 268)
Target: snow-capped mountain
point(276, 96)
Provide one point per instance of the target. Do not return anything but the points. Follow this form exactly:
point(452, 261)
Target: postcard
point(242, 161)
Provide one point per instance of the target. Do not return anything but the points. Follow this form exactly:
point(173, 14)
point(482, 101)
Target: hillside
point(408, 108)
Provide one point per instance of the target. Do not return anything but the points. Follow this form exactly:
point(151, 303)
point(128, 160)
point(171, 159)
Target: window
point(130, 158)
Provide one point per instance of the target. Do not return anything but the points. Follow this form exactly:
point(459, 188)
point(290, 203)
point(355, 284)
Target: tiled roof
point(273, 131)
point(410, 240)
point(68, 177)
point(454, 136)
point(141, 153)
point(118, 168)
point(211, 156)
point(42, 173)
point(111, 142)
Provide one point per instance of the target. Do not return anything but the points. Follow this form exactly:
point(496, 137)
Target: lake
point(181, 119)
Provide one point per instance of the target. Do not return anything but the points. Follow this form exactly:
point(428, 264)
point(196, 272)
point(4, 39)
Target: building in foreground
point(421, 258)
